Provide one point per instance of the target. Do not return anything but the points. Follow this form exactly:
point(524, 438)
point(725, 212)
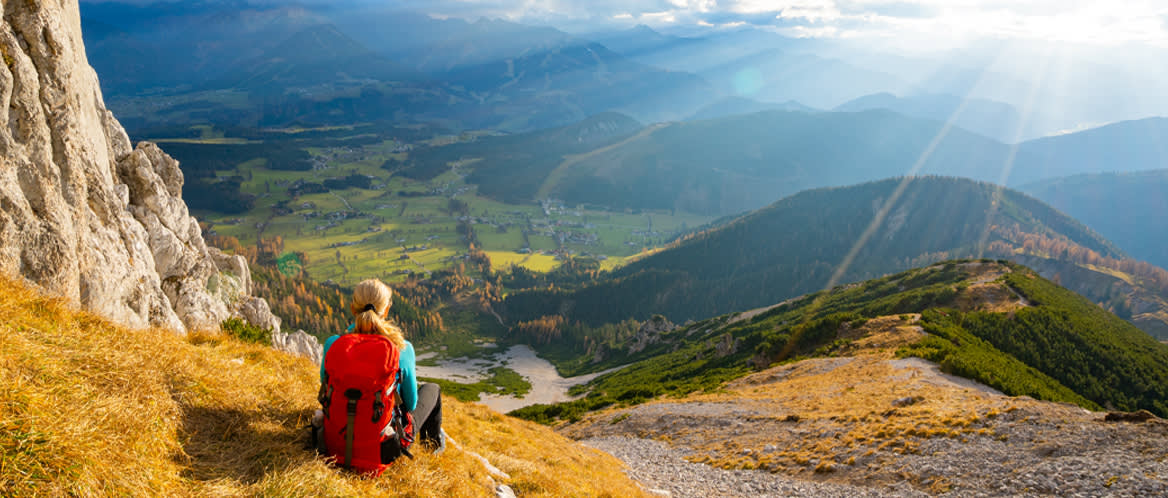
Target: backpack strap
point(351, 410)
point(398, 426)
point(324, 396)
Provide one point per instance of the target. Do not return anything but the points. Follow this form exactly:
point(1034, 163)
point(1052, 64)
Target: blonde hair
point(371, 302)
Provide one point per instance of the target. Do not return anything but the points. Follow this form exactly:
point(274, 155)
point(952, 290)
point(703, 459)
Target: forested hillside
point(804, 242)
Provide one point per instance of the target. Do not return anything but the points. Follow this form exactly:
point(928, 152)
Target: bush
point(246, 331)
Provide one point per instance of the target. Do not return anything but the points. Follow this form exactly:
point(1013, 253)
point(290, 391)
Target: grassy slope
point(89, 408)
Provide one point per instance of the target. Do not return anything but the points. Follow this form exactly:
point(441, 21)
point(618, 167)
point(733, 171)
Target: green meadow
point(402, 225)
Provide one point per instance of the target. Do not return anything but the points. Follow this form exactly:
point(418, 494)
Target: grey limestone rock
point(82, 214)
point(650, 333)
point(299, 343)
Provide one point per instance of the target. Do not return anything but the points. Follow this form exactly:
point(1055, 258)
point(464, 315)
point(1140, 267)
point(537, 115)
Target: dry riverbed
point(546, 385)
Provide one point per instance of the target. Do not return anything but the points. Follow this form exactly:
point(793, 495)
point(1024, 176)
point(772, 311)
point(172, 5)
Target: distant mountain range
point(317, 55)
point(1055, 92)
point(737, 163)
point(339, 66)
point(505, 75)
point(996, 120)
point(777, 76)
point(833, 236)
point(734, 106)
point(1126, 146)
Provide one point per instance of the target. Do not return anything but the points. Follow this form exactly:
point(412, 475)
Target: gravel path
point(662, 470)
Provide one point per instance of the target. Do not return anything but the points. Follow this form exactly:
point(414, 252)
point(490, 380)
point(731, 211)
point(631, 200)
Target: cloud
point(1089, 21)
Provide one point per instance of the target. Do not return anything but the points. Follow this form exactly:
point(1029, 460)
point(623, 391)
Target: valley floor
point(874, 424)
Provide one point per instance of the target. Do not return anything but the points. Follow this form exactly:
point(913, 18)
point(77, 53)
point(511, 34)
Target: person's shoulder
point(408, 347)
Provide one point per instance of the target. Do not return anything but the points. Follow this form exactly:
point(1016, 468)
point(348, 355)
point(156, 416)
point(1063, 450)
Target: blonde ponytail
point(371, 302)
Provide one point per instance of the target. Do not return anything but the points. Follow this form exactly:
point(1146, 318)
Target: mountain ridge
point(796, 246)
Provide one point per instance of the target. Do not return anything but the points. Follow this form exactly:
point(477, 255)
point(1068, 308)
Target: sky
point(949, 22)
point(1106, 22)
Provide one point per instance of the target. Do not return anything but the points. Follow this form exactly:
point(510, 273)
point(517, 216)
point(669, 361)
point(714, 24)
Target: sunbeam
point(882, 213)
point(1008, 166)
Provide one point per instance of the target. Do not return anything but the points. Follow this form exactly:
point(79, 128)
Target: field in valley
point(390, 226)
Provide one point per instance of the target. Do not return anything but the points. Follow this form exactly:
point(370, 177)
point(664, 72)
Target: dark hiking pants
point(428, 414)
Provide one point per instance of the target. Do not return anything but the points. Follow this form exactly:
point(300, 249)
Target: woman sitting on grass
point(370, 307)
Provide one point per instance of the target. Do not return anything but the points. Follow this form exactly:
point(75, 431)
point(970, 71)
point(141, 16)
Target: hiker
point(372, 367)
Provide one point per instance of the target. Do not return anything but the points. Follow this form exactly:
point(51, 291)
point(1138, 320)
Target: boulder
point(299, 343)
point(650, 333)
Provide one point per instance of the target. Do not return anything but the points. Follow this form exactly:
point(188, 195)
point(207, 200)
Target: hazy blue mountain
point(1126, 146)
point(1095, 87)
point(992, 119)
point(698, 54)
point(778, 76)
point(337, 64)
point(183, 46)
point(738, 163)
point(647, 45)
point(124, 62)
point(436, 46)
point(318, 55)
point(571, 82)
point(731, 106)
point(1128, 208)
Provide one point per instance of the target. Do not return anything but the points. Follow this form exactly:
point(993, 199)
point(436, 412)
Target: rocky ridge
point(83, 214)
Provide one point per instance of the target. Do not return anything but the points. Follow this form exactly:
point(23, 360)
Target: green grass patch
point(246, 331)
point(502, 382)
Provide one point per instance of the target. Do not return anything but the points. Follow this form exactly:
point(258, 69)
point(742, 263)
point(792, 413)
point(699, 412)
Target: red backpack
point(359, 417)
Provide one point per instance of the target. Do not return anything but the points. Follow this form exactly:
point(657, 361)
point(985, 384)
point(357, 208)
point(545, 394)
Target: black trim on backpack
point(324, 396)
point(351, 410)
point(378, 407)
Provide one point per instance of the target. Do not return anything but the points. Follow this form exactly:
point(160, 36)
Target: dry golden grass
point(847, 408)
point(826, 418)
point(91, 409)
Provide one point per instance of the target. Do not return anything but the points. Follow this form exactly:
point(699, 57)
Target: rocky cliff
point(82, 213)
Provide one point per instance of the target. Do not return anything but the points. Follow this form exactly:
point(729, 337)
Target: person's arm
point(408, 386)
point(324, 353)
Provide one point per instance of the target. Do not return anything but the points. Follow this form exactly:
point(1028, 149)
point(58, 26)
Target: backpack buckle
point(378, 408)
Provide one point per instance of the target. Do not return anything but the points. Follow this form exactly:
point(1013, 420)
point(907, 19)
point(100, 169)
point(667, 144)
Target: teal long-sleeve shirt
point(407, 384)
